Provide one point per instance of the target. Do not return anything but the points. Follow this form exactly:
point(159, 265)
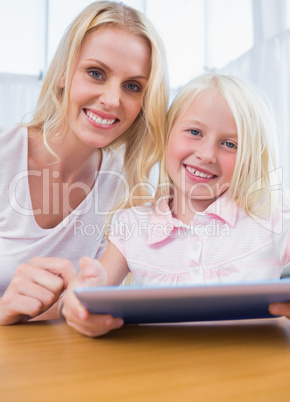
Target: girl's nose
point(110, 97)
point(206, 152)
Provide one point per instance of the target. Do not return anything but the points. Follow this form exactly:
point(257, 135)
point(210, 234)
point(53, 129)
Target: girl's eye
point(230, 144)
point(194, 132)
point(133, 87)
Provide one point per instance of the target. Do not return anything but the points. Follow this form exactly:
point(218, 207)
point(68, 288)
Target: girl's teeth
point(198, 173)
point(98, 120)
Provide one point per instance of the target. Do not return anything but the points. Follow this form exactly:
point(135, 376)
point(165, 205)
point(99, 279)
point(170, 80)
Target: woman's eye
point(95, 74)
point(133, 87)
point(230, 144)
point(194, 132)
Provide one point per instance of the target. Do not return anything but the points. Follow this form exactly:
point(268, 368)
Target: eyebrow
point(106, 67)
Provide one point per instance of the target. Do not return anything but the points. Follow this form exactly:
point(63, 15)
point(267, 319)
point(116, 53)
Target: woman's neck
point(76, 160)
point(60, 187)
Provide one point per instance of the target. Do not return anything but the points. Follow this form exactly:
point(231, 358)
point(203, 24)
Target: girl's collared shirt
point(222, 244)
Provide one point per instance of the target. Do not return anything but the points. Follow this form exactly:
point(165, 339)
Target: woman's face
point(107, 86)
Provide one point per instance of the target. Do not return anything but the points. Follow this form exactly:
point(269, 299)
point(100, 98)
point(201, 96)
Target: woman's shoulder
point(13, 133)
point(112, 160)
point(12, 137)
point(12, 130)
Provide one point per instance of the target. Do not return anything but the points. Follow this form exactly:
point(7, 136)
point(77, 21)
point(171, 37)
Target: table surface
point(214, 361)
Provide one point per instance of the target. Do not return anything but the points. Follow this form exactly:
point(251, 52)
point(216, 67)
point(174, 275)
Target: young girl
point(221, 219)
point(101, 113)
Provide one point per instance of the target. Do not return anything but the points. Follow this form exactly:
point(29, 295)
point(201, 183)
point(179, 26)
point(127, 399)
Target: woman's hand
point(280, 309)
point(92, 274)
point(35, 287)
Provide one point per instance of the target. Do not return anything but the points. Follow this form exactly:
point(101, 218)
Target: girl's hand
point(35, 287)
point(280, 309)
point(92, 274)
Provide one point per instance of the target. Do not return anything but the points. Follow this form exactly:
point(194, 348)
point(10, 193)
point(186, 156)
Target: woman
point(100, 113)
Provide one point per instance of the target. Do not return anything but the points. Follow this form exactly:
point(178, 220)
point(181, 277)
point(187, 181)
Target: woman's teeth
point(97, 119)
point(198, 173)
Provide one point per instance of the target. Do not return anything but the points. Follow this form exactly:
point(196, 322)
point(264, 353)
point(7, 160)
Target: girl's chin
point(201, 202)
point(202, 196)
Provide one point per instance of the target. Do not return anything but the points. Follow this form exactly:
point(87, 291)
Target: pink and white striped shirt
point(223, 244)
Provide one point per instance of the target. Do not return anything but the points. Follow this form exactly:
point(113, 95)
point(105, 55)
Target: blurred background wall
point(248, 38)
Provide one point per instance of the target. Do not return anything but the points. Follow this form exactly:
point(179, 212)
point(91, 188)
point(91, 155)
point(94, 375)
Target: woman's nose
point(110, 96)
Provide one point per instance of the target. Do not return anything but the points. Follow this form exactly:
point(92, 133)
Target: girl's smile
point(201, 153)
point(198, 174)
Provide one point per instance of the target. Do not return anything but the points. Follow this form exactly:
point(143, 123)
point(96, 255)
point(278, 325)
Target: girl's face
point(107, 86)
point(201, 153)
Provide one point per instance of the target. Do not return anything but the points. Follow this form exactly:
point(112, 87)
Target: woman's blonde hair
point(143, 141)
point(251, 183)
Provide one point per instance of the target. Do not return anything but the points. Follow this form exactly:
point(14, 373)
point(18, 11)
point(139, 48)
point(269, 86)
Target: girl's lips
point(198, 173)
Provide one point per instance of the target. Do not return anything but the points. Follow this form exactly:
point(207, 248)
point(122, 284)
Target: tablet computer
point(160, 304)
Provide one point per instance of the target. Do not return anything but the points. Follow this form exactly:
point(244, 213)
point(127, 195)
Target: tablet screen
point(156, 304)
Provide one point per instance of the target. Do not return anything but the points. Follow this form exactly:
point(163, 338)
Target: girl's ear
point(61, 83)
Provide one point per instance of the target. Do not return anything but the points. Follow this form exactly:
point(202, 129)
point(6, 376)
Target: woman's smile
point(101, 119)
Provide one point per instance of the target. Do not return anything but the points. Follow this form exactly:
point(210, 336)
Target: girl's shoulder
point(286, 201)
point(286, 193)
point(280, 218)
point(135, 213)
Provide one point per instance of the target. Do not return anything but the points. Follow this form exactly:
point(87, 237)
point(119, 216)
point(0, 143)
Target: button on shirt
point(223, 244)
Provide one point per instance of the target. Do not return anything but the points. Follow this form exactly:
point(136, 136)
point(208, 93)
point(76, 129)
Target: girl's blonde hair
point(251, 183)
point(143, 141)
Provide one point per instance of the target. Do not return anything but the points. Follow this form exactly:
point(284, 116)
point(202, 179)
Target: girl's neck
point(185, 208)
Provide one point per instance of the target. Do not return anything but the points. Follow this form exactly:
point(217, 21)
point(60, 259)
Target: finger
point(29, 274)
point(86, 262)
point(92, 269)
point(280, 309)
point(27, 297)
point(13, 311)
point(30, 292)
point(57, 266)
point(44, 295)
point(96, 324)
point(72, 306)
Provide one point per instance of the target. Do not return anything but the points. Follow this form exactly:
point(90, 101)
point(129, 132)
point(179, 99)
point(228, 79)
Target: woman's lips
point(101, 118)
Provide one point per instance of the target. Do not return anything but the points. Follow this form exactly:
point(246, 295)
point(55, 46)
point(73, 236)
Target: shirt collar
point(224, 208)
point(163, 223)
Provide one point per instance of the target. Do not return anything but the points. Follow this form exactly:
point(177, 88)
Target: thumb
point(92, 272)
